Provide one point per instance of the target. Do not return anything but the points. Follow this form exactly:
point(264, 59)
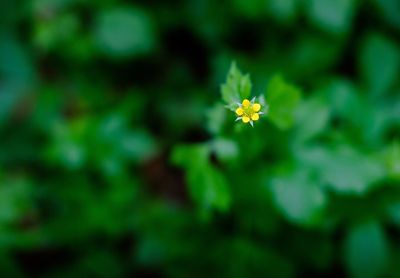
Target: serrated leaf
point(229, 95)
point(282, 99)
point(236, 87)
point(245, 86)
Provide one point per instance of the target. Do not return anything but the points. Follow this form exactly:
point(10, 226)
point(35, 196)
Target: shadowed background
point(117, 158)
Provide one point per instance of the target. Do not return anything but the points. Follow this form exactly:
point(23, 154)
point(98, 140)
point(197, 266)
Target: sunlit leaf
point(236, 88)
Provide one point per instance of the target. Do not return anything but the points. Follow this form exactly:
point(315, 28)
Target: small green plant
point(209, 186)
point(281, 96)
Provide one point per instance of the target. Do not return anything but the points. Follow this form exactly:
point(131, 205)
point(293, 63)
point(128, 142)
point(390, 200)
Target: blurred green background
point(118, 159)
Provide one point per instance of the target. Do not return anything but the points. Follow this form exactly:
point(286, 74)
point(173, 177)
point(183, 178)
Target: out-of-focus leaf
point(9, 267)
point(122, 32)
point(312, 118)
point(56, 33)
point(16, 65)
point(390, 10)
point(138, 145)
point(68, 148)
point(333, 16)
point(17, 75)
point(185, 156)
point(283, 10)
point(299, 198)
point(208, 187)
point(379, 63)
point(282, 99)
point(236, 87)
point(312, 55)
point(51, 6)
point(393, 212)
point(15, 200)
point(246, 258)
point(249, 8)
point(342, 169)
point(342, 98)
point(366, 250)
point(99, 262)
point(225, 149)
point(369, 119)
point(392, 160)
point(216, 116)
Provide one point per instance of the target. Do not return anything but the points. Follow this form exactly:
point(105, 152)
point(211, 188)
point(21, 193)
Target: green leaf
point(245, 86)
point(283, 10)
point(58, 32)
point(333, 16)
point(236, 87)
point(138, 145)
point(187, 156)
point(216, 116)
point(68, 146)
point(312, 118)
point(208, 187)
point(342, 169)
point(299, 198)
point(15, 200)
point(225, 149)
point(343, 99)
point(124, 32)
point(390, 10)
point(366, 250)
point(249, 8)
point(392, 160)
point(282, 99)
point(379, 63)
point(17, 74)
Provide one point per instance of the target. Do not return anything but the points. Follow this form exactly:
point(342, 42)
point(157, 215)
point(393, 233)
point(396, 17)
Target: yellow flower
point(248, 111)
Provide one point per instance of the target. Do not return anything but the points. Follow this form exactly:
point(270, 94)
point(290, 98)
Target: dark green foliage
point(120, 155)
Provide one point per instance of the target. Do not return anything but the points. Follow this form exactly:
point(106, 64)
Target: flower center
point(248, 111)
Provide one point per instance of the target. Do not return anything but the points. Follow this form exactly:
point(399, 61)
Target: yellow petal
point(256, 107)
point(246, 102)
point(239, 111)
point(246, 119)
point(255, 117)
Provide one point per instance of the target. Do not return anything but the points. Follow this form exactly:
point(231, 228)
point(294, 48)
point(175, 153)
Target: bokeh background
point(118, 159)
